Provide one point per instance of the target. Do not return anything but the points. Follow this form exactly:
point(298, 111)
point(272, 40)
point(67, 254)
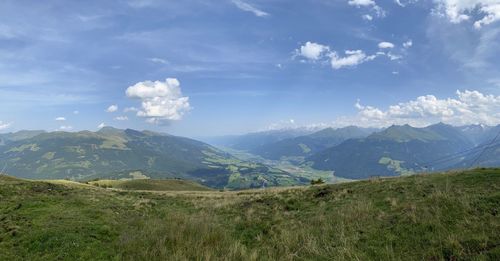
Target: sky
point(204, 68)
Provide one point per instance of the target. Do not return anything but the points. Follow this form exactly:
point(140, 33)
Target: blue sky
point(244, 65)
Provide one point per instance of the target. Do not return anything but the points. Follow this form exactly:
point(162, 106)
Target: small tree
point(317, 182)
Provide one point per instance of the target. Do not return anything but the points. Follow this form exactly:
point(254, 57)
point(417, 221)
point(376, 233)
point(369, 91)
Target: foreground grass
point(432, 217)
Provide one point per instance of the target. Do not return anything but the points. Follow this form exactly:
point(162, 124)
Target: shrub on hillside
point(317, 182)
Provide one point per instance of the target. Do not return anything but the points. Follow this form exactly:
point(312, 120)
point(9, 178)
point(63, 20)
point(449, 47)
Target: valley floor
point(424, 217)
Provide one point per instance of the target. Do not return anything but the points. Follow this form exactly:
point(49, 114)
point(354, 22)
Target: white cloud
point(102, 125)
point(384, 45)
point(404, 3)
point(153, 121)
point(469, 107)
point(312, 51)
point(367, 17)
point(322, 53)
point(4, 125)
point(66, 128)
point(393, 57)
point(158, 60)
point(160, 100)
point(361, 2)
point(408, 44)
point(249, 8)
point(112, 108)
point(76, 112)
point(368, 3)
point(351, 59)
point(60, 119)
point(121, 118)
point(458, 11)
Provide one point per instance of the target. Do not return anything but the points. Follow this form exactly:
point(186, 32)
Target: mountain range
point(114, 153)
point(299, 147)
point(354, 152)
point(351, 152)
point(397, 150)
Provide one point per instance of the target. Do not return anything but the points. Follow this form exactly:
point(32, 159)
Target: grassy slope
point(151, 184)
point(413, 218)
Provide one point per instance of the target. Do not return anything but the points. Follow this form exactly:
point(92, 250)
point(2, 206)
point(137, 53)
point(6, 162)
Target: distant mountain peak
point(404, 133)
point(109, 129)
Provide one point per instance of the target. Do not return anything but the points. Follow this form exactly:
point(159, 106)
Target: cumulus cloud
point(121, 118)
point(4, 125)
point(458, 11)
point(469, 107)
point(385, 45)
point(312, 51)
point(249, 8)
point(60, 119)
point(102, 125)
point(112, 108)
point(160, 101)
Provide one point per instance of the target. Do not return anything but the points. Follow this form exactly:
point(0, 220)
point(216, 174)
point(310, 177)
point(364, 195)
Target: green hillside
point(450, 216)
point(116, 154)
point(151, 184)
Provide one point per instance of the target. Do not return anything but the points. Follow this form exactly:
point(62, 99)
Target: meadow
point(446, 216)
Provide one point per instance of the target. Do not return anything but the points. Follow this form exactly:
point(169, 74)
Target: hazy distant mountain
point(303, 146)
point(251, 141)
point(20, 135)
point(490, 157)
point(114, 153)
point(487, 153)
point(394, 151)
point(477, 133)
